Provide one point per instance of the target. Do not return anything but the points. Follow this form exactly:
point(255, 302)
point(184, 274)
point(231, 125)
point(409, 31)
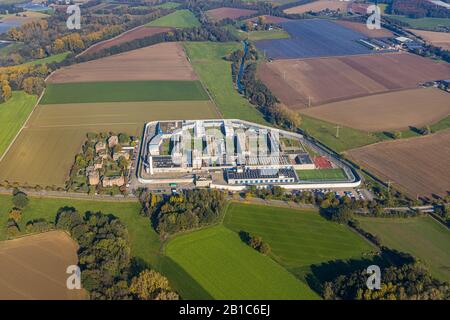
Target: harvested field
point(44, 151)
point(387, 111)
point(438, 39)
point(294, 81)
point(130, 35)
point(312, 38)
point(319, 5)
point(231, 13)
point(34, 267)
point(362, 28)
point(163, 61)
point(418, 166)
point(269, 19)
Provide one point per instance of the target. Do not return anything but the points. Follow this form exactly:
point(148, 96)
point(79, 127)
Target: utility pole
point(337, 131)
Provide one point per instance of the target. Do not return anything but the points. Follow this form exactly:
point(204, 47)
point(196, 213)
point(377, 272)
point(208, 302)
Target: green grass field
point(227, 268)
point(54, 58)
point(322, 174)
point(168, 5)
point(145, 242)
point(423, 23)
point(13, 114)
point(267, 35)
point(349, 138)
point(123, 91)
point(299, 238)
point(422, 237)
point(177, 19)
point(215, 73)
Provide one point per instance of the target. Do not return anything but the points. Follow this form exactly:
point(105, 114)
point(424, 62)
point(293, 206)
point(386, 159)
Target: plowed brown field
point(320, 5)
point(438, 39)
point(387, 111)
point(419, 166)
point(325, 80)
point(231, 13)
point(133, 34)
point(34, 267)
point(163, 61)
point(362, 28)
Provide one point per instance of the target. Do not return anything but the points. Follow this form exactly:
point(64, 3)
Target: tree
point(342, 215)
point(15, 214)
point(151, 285)
point(265, 248)
point(20, 200)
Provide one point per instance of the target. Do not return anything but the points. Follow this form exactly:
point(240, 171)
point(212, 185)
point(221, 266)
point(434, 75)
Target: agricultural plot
point(163, 61)
point(177, 19)
point(43, 153)
point(298, 238)
point(214, 72)
point(34, 267)
point(418, 166)
point(298, 83)
point(246, 274)
point(438, 39)
point(133, 34)
point(13, 114)
point(320, 5)
point(230, 13)
point(269, 19)
point(396, 110)
point(123, 91)
point(313, 38)
point(422, 237)
point(267, 35)
point(362, 28)
point(423, 23)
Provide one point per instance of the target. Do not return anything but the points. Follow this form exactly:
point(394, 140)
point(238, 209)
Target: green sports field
point(215, 73)
point(299, 238)
point(123, 91)
point(422, 237)
point(177, 19)
point(13, 114)
point(144, 241)
point(227, 268)
point(322, 174)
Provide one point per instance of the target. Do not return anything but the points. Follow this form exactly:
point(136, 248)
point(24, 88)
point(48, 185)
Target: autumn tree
point(151, 285)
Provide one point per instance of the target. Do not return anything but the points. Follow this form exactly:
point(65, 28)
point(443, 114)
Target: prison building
point(260, 176)
point(154, 144)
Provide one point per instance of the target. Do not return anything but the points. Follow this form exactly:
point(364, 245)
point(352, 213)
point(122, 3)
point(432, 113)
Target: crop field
point(13, 114)
point(362, 28)
point(322, 174)
point(34, 267)
point(267, 34)
point(422, 237)
point(423, 23)
point(123, 91)
point(44, 151)
point(231, 13)
point(296, 81)
point(269, 19)
point(438, 39)
point(163, 61)
point(177, 19)
point(214, 72)
point(130, 35)
point(418, 166)
point(319, 5)
point(313, 38)
point(298, 238)
point(246, 274)
point(387, 111)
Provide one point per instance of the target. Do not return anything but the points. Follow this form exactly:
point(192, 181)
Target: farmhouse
point(113, 181)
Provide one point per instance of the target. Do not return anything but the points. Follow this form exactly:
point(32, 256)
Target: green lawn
point(53, 58)
point(267, 35)
point(423, 23)
point(215, 73)
point(322, 174)
point(177, 19)
point(227, 268)
point(124, 91)
point(168, 5)
point(144, 241)
point(299, 238)
point(13, 114)
point(349, 138)
point(422, 237)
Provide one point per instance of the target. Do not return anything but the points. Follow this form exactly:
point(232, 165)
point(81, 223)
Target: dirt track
point(136, 33)
point(163, 61)
point(326, 80)
point(419, 166)
point(34, 267)
point(387, 111)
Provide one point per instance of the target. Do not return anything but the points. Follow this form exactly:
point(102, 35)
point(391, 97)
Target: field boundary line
point(23, 126)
